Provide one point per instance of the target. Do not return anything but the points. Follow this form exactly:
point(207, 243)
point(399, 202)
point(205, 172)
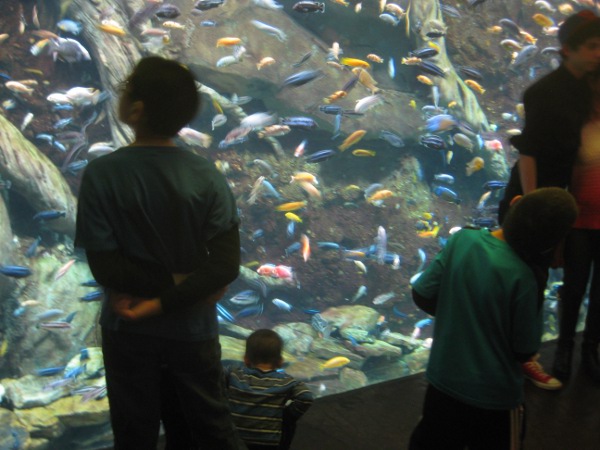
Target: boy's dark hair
point(536, 223)
point(168, 92)
point(264, 347)
point(578, 28)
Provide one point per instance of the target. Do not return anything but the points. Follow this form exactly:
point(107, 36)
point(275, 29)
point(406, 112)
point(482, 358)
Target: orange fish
point(352, 139)
point(429, 234)
point(474, 165)
point(335, 96)
point(475, 86)
point(380, 195)
point(304, 176)
point(310, 189)
point(291, 206)
point(305, 247)
point(425, 80)
point(228, 41)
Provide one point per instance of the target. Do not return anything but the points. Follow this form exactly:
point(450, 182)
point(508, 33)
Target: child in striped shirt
point(265, 401)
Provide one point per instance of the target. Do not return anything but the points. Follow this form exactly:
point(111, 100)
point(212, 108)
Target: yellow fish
point(429, 234)
point(427, 216)
point(112, 28)
point(425, 80)
point(413, 104)
point(352, 187)
point(363, 152)
point(352, 139)
point(475, 86)
point(291, 206)
point(34, 71)
point(474, 165)
point(335, 362)
point(543, 20)
point(354, 62)
point(252, 264)
point(4, 348)
point(293, 217)
point(452, 104)
point(434, 46)
point(217, 106)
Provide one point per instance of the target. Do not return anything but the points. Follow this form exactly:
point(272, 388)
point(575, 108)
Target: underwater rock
point(41, 422)
point(357, 316)
point(35, 178)
point(297, 337)
point(407, 343)
point(13, 434)
point(232, 348)
point(307, 369)
point(233, 330)
point(353, 379)
point(92, 365)
point(378, 348)
point(28, 391)
point(357, 334)
point(74, 413)
point(417, 361)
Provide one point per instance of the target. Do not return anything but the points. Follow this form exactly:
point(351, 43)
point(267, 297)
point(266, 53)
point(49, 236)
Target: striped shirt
point(257, 400)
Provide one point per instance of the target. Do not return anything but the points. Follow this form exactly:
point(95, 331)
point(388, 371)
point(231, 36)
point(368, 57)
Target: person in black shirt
point(160, 229)
point(556, 107)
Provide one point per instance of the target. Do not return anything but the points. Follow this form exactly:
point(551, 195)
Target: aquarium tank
point(355, 135)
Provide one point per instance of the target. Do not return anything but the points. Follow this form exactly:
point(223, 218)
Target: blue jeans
point(149, 377)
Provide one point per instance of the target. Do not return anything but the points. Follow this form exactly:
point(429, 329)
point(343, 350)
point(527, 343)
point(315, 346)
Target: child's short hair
point(264, 347)
point(537, 222)
point(168, 92)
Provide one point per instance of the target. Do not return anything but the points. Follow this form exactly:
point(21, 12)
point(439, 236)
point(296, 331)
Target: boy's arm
point(301, 400)
point(207, 283)
point(114, 271)
point(528, 173)
point(426, 304)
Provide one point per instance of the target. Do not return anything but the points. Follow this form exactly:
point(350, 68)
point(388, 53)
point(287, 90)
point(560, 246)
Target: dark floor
point(382, 416)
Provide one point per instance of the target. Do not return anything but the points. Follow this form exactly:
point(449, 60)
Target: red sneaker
point(538, 376)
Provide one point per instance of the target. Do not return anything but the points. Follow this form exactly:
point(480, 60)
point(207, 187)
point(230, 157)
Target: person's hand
point(217, 295)
point(134, 308)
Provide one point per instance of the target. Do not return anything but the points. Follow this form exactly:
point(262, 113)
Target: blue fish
point(320, 156)
point(337, 125)
point(222, 312)
point(302, 78)
point(293, 248)
point(334, 110)
point(74, 372)
point(49, 371)
point(423, 323)
point(15, 271)
point(291, 227)
point(32, 249)
point(51, 214)
point(92, 296)
point(329, 245)
point(485, 222)
point(393, 139)
point(399, 313)
point(254, 310)
point(440, 122)
point(446, 194)
point(90, 283)
point(258, 234)
point(311, 311)
point(494, 185)
point(208, 23)
point(305, 123)
point(425, 52)
point(271, 189)
point(432, 141)
point(431, 69)
point(84, 354)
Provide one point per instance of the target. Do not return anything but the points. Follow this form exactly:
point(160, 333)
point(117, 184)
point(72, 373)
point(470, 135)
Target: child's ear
point(515, 199)
point(246, 361)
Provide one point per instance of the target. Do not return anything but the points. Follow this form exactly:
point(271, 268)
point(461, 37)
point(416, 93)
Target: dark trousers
point(582, 257)
point(147, 377)
point(448, 424)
